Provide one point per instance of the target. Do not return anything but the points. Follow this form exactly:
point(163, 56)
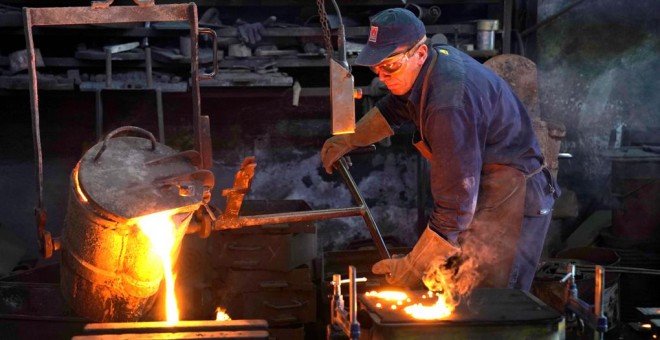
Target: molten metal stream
point(161, 231)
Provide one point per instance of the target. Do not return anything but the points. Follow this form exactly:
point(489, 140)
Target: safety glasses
point(394, 63)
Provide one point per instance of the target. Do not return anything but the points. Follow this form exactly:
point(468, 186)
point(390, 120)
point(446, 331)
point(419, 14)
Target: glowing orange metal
point(439, 310)
point(78, 190)
point(161, 231)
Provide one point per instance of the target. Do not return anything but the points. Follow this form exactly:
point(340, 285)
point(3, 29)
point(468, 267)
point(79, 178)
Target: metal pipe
point(359, 200)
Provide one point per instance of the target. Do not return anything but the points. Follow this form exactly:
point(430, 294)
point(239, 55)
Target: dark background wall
point(598, 70)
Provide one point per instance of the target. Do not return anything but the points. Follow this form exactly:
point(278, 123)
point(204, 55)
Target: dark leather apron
point(490, 242)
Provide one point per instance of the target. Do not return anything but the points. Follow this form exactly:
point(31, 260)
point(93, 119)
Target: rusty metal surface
point(55, 16)
point(106, 271)
point(520, 73)
point(341, 99)
point(484, 306)
point(242, 182)
point(180, 326)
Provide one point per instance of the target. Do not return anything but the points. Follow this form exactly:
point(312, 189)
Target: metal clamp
point(594, 315)
point(340, 319)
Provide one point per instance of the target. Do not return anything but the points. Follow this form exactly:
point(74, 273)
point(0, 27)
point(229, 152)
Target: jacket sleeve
point(453, 136)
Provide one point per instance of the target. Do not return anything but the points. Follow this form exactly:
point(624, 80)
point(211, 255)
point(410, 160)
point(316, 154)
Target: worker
point(492, 194)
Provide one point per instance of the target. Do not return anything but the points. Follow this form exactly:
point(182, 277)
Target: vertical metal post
point(159, 112)
point(354, 325)
point(34, 106)
point(99, 114)
point(352, 293)
point(108, 68)
point(506, 26)
point(147, 56)
point(194, 77)
point(599, 308)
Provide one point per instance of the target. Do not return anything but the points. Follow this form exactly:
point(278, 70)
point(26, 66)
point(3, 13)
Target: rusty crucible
point(109, 271)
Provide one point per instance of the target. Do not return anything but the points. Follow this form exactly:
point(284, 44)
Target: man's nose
point(382, 75)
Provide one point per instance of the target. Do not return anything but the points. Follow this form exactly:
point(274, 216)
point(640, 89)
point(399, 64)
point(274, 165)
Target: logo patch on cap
point(373, 33)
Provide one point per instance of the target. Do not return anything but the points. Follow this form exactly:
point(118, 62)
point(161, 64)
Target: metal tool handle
point(342, 165)
point(121, 130)
point(362, 150)
point(214, 37)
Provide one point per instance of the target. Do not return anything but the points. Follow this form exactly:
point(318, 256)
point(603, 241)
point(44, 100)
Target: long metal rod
point(34, 106)
point(359, 200)
point(298, 216)
point(622, 270)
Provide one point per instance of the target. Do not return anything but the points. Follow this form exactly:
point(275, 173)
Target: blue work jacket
point(471, 118)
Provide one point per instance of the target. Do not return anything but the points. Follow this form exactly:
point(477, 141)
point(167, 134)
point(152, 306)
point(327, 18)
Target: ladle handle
point(121, 130)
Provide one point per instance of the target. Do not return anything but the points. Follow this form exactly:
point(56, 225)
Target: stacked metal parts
point(265, 272)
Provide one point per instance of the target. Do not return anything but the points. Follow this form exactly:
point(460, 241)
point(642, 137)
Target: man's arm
point(453, 135)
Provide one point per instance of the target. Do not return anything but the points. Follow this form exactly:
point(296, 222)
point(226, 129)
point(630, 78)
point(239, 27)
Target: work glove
point(408, 271)
point(250, 33)
point(369, 129)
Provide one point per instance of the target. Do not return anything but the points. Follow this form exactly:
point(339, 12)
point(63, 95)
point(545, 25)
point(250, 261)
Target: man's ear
point(422, 52)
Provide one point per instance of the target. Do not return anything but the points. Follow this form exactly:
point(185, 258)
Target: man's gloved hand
point(369, 129)
point(408, 271)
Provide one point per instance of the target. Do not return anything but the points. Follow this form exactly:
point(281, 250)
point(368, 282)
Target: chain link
point(325, 27)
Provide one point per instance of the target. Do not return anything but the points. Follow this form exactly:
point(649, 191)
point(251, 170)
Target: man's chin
point(395, 90)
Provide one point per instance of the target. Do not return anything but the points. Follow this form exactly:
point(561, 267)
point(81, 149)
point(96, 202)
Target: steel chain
point(325, 27)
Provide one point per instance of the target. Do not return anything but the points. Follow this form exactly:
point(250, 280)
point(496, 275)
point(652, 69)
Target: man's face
point(399, 71)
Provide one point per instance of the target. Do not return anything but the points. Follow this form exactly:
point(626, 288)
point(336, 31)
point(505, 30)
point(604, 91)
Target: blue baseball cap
point(390, 29)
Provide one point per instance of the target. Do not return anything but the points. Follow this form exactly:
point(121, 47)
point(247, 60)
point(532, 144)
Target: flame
point(161, 231)
point(221, 314)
